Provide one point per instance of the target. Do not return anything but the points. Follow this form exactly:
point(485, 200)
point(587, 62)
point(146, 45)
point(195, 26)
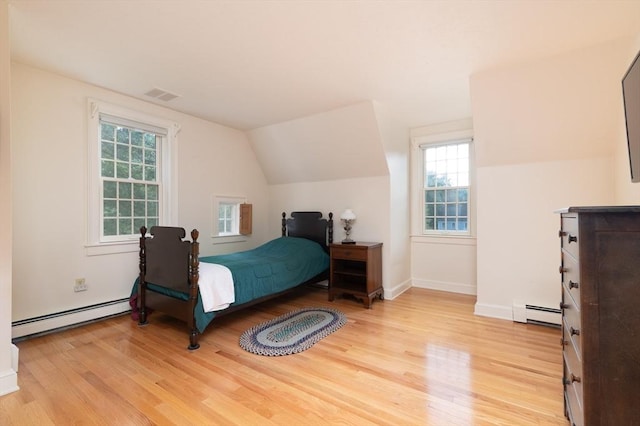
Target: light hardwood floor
point(421, 359)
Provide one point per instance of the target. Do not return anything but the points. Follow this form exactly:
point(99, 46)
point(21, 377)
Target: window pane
point(110, 227)
point(149, 173)
point(122, 135)
point(107, 132)
point(152, 208)
point(122, 170)
point(124, 208)
point(462, 209)
point(122, 152)
point(136, 172)
point(110, 208)
point(150, 157)
point(463, 194)
point(136, 138)
point(125, 226)
point(150, 140)
point(108, 150)
point(451, 209)
point(136, 155)
point(107, 168)
point(109, 189)
point(139, 191)
point(124, 190)
point(430, 196)
point(429, 224)
point(440, 195)
point(429, 209)
point(139, 209)
point(152, 192)
point(440, 209)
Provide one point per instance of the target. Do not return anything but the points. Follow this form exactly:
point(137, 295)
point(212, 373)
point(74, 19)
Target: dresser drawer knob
point(572, 239)
point(573, 284)
point(562, 269)
point(574, 331)
point(563, 342)
point(561, 233)
point(563, 305)
point(571, 379)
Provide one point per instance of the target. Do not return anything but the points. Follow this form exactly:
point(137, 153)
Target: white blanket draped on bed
point(216, 287)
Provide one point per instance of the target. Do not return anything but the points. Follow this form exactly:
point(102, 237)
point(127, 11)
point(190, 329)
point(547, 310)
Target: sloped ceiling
point(251, 64)
point(340, 144)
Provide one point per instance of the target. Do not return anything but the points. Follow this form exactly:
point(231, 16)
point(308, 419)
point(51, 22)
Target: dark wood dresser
point(601, 314)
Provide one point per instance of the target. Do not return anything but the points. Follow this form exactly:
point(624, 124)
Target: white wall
point(8, 363)
point(49, 126)
point(395, 140)
point(626, 191)
point(545, 133)
point(441, 263)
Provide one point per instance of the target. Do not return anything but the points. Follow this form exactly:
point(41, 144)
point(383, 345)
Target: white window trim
point(169, 195)
point(417, 179)
point(215, 235)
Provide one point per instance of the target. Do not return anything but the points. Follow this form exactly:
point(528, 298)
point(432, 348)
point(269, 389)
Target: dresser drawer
point(573, 406)
point(569, 234)
point(571, 322)
point(571, 277)
point(348, 253)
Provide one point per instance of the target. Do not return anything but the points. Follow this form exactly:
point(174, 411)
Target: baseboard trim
point(494, 311)
point(390, 294)
point(52, 322)
point(460, 288)
point(8, 382)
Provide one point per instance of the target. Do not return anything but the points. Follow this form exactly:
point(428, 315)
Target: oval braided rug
point(293, 332)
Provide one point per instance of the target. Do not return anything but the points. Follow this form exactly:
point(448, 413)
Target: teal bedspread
point(273, 267)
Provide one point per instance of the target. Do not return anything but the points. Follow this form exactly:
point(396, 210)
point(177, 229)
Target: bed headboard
point(309, 225)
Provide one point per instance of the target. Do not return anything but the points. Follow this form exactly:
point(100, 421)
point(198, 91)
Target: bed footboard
point(168, 261)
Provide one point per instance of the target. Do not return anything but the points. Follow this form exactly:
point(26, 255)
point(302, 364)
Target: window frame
point(418, 176)
point(227, 237)
point(96, 243)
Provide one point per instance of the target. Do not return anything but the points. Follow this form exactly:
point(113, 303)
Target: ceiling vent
point(161, 94)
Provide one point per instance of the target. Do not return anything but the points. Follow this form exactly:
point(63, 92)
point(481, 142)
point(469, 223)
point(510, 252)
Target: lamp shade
point(348, 215)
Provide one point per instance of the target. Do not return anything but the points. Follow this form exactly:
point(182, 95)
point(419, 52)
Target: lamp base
point(348, 241)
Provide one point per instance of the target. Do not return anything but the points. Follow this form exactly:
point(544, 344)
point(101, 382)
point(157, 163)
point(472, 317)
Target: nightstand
point(356, 269)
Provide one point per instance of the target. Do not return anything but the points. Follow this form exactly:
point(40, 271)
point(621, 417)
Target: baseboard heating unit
point(73, 317)
point(540, 315)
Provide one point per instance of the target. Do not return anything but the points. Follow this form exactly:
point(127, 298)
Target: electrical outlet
point(80, 285)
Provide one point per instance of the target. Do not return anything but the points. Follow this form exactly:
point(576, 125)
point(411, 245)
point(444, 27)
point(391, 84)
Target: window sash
point(446, 175)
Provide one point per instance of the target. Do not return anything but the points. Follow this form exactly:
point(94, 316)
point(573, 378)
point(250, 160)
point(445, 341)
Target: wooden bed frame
point(171, 262)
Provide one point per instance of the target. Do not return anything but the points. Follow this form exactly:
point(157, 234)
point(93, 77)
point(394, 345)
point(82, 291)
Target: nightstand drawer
point(348, 253)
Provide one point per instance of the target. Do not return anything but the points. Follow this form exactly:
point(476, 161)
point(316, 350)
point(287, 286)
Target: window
point(446, 187)
point(232, 216)
point(131, 178)
point(131, 175)
point(228, 218)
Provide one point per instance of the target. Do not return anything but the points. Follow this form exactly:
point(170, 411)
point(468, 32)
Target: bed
point(175, 280)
